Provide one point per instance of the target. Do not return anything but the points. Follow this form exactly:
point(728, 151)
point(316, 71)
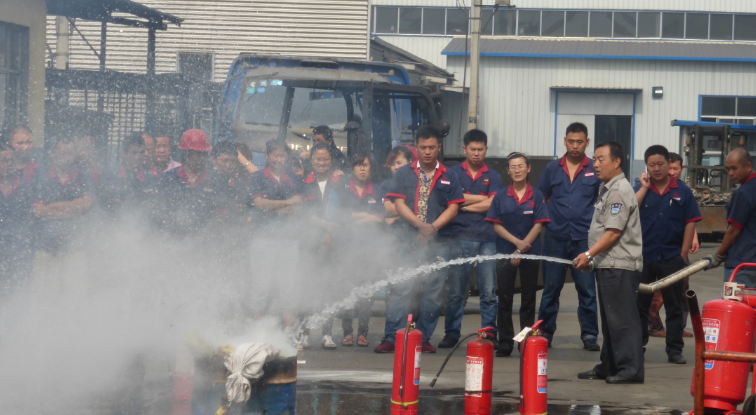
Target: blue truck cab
point(368, 105)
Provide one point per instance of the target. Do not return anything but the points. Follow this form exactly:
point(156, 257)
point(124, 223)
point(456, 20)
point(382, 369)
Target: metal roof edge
point(683, 123)
point(620, 57)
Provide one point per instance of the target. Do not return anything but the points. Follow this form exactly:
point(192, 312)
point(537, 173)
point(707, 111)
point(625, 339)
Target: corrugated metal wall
point(737, 6)
point(517, 103)
point(324, 28)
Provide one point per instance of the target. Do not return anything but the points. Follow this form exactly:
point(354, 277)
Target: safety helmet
point(196, 140)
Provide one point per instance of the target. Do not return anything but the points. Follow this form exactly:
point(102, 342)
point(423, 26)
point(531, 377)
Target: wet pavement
point(336, 398)
point(355, 377)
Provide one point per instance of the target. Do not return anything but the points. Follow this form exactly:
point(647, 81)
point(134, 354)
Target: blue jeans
point(459, 276)
point(746, 276)
point(431, 286)
point(553, 281)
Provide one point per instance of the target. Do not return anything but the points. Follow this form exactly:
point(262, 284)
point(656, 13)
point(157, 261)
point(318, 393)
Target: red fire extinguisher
point(728, 326)
point(405, 390)
point(183, 383)
point(533, 372)
point(479, 374)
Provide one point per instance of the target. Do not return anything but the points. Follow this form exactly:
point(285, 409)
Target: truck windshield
point(263, 105)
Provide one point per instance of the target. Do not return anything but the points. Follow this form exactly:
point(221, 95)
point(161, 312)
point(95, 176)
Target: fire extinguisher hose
point(459, 343)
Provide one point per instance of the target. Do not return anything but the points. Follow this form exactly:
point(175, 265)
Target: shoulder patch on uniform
point(615, 208)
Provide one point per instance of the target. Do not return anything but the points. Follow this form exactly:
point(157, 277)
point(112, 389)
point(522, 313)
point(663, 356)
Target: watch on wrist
point(588, 255)
point(464, 208)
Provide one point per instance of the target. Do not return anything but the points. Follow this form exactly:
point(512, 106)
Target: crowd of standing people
point(320, 209)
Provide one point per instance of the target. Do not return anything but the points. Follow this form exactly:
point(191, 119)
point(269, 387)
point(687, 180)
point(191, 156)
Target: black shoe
point(621, 380)
point(448, 342)
point(504, 351)
point(591, 344)
point(495, 342)
point(591, 374)
point(677, 358)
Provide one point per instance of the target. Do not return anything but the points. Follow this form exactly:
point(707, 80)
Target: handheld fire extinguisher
point(405, 390)
point(533, 372)
point(478, 373)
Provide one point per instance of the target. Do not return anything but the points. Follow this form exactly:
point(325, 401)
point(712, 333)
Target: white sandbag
point(246, 366)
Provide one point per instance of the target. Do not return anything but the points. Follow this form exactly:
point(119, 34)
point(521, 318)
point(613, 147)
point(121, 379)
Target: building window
point(505, 23)
point(697, 26)
point(745, 27)
point(624, 24)
point(620, 24)
point(576, 24)
point(434, 21)
point(673, 25)
point(529, 23)
point(735, 110)
point(198, 65)
point(456, 22)
point(14, 74)
point(601, 24)
point(553, 23)
point(410, 20)
point(386, 19)
point(649, 25)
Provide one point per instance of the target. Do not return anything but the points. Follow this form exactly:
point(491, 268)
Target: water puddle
point(403, 274)
point(336, 398)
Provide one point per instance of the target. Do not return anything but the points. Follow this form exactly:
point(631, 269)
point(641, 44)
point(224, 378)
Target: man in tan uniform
point(616, 252)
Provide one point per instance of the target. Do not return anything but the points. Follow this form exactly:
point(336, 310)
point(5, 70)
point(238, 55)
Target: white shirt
point(322, 187)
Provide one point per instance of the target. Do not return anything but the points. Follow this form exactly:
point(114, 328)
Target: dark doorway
point(617, 128)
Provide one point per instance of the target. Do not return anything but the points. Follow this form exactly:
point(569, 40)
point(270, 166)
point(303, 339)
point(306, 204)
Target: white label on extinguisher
point(542, 372)
point(418, 353)
point(711, 336)
point(474, 376)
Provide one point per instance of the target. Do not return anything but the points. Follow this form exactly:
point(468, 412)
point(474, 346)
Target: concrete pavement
point(666, 387)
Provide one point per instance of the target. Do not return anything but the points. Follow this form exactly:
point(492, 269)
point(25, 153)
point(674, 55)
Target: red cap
point(196, 140)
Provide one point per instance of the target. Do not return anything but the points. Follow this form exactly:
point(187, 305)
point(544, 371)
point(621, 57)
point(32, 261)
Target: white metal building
point(545, 64)
point(214, 32)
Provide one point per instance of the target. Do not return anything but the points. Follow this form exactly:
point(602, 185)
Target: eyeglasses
point(518, 167)
point(321, 161)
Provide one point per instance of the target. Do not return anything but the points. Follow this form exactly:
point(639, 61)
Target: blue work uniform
point(570, 203)
point(571, 211)
point(262, 184)
point(741, 212)
point(445, 190)
point(518, 216)
point(55, 234)
point(663, 217)
point(185, 207)
point(472, 226)
point(351, 201)
point(27, 172)
point(126, 191)
point(472, 236)
point(15, 247)
point(320, 203)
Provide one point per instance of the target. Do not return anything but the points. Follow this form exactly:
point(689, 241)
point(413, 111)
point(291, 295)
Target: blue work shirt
point(351, 201)
point(741, 212)
point(262, 184)
point(518, 216)
point(570, 203)
point(185, 206)
point(48, 187)
point(471, 226)
point(123, 190)
point(663, 218)
point(445, 190)
point(15, 213)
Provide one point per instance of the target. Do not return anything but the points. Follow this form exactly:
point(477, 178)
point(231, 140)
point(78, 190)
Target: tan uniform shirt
point(617, 208)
